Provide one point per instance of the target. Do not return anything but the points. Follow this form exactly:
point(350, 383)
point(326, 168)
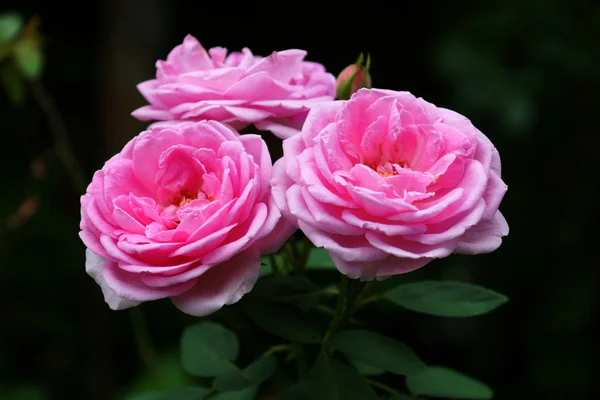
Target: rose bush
point(273, 93)
point(386, 182)
point(183, 211)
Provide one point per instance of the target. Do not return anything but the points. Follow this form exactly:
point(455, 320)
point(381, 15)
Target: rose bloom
point(183, 211)
point(386, 182)
point(274, 93)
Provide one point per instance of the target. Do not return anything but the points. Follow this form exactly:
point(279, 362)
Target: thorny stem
point(59, 133)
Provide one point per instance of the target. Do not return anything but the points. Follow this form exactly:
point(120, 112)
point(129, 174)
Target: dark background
point(525, 72)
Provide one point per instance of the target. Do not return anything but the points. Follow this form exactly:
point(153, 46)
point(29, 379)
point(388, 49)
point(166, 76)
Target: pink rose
point(183, 211)
point(386, 182)
point(273, 93)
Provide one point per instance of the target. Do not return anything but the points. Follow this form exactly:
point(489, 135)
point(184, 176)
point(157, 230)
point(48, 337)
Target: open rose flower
point(183, 211)
point(386, 182)
point(274, 93)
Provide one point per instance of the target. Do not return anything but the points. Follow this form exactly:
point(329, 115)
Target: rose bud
point(352, 78)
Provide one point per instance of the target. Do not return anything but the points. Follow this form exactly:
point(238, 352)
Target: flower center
point(185, 196)
point(387, 169)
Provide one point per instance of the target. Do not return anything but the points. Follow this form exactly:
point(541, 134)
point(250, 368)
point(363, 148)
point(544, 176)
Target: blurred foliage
point(527, 73)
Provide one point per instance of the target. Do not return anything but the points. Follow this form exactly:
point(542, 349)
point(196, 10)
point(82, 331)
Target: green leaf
point(10, 25)
point(378, 351)
point(331, 379)
point(285, 321)
point(305, 302)
point(368, 64)
point(184, 393)
point(281, 286)
point(297, 391)
point(446, 383)
point(29, 58)
point(246, 394)
point(319, 259)
point(446, 298)
point(253, 375)
point(401, 396)
point(297, 291)
point(266, 268)
point(366, 369)
point(208, 349)
point(359, 60)
point(144, 396)
point(168, 375)
point(13, 84)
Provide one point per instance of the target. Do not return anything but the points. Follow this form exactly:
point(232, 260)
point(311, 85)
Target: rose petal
point(224, 284)
point(94, 266)
point(349, 248)
point(484, 237)
point(239, 237)
point(402, 248)
point(380, 269)
point(131, 286)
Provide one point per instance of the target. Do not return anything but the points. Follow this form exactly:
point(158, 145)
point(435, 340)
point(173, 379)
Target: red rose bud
point(352, 78)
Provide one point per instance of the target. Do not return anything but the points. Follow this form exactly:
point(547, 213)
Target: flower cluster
point(384, 181)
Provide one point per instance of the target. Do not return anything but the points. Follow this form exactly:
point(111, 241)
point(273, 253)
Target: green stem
point(339, 316)
point(276, 349)
point(362, 299)
point(59, 133)
point(381, 386)
point(296, 258)
point(142, 338)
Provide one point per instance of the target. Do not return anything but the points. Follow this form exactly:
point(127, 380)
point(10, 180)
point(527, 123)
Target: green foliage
point(378, 351)
point(184, 393)
point(366, 369)
point(246, 394)
point(285, 321)
point(319, 259)
point(446, 298)
point(143, 396)
point(281, 287)
point(13, 83)
point(400, 396)
point(181, 393)
point(253, 375)
point(331, 379)
point(266, 268)
point(297, 391)
point(446, 383)
point(10, 25)
point(208, 349)
point(293, 290)
point(29, 58)
point(167, 374)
